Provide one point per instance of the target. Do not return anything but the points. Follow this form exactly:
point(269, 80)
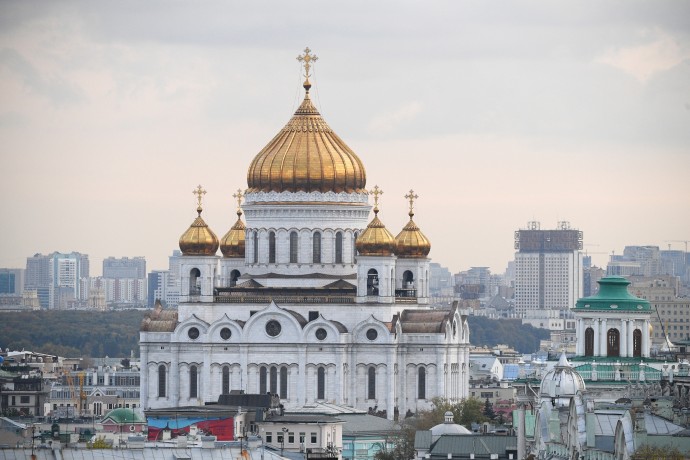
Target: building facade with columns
point(311, 299)
point(613, 323)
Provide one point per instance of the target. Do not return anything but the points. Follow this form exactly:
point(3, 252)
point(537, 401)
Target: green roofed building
point(613, 323)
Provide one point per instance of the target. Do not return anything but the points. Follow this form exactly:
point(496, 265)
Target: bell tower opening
point(194, 281)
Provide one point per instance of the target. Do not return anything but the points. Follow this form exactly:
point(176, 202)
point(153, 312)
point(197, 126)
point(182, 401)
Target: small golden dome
point(411, 242)
point(306, 155)
point(376, 240)
point(232, 244)
point(199, 239)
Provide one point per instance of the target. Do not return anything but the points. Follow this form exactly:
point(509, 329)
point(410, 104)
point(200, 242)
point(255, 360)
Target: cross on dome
point(199, 192)
point(377, 192)
point(305, 59)
point(238, 196)
point(411, 196)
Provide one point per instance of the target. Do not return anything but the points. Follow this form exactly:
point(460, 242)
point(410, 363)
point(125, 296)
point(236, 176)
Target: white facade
point(360, 349)
point(301, 313)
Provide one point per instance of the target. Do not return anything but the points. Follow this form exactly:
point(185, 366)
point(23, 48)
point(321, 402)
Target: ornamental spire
point(238, 196)
point(199, 192)
point(306, 59)
point(411, 196)
point(376, 191)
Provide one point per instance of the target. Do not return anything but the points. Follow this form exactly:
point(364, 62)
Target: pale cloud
point(645, 61)
point(389, 121)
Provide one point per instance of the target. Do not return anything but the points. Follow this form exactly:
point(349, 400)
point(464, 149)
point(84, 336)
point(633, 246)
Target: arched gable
point(272, 324)
point(183, 331)
point(214, 331)
point(361, 332)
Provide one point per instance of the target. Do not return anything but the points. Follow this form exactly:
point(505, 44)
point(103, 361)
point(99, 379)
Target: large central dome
point(306, 156)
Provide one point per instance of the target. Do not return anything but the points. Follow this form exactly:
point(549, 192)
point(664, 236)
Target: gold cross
point(376, 191)
point(306, 58)
point(199, 192)
point(238, 196)
point(411, 197)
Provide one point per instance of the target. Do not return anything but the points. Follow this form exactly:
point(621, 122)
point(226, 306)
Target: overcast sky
point(495, 113)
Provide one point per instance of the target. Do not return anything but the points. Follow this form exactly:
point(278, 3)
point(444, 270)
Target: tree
point(489, 410)
point(647, 452)
point(403, 446)
point(99, 443)
point(465, 413)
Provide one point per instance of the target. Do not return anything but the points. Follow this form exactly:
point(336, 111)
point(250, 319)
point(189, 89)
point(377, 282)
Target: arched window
point(283, 382)
point(321, 383)
point(274, 380)
point(255, 237)
point(408, 279)
point(193, 382)
point(421, 383)
point(225, 386)
point(195, 281)
point(354, 246)
point(637, 343)
point(316, 250)
point(161, 381)
point(372, 282)
point(613, 347)
point(293, 247)
point(272, 247)
point(339, 248)
point(262, 380)
point(234, 276)
point(371, 383)
point(589, 342)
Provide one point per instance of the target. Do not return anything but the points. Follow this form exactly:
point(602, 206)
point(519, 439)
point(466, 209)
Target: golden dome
point(306, 155)
point(232, 244)
point(376, 240)
point(199, 239)
point(411, 242)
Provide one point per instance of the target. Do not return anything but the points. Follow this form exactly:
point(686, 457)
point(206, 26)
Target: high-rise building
point(313, 299)
point(56, 278)
point(124, 267)
point(636, 260)
point(548, 268)
point(11, 281)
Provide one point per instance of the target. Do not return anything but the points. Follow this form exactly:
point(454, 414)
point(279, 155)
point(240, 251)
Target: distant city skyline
point(113, 114)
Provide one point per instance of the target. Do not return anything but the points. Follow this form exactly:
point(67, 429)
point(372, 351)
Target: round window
point(225, 333)
point(372, 334)
point(321, 333)
point(273, 328)
point(193, 333)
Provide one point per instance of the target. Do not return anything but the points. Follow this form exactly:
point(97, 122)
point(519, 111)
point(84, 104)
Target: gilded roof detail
point(199, 239)
point(376, 240)
point(306, 155)
point(411, 242)
point(233, 243)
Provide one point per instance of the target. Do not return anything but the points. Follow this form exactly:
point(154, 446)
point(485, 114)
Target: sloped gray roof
point(366, 423)
point(656, 425)
point(476, 444)
point(422, 439)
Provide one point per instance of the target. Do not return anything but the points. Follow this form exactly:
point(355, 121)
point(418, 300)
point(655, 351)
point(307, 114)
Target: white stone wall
point(346, 357)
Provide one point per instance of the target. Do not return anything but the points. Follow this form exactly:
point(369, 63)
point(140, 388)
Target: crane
point(679, 241)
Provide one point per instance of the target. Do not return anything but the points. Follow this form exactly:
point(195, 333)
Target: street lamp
point(282, 441)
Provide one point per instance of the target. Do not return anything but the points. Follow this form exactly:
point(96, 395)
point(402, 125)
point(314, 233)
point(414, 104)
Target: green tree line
point(511, 332)
point(72, 333)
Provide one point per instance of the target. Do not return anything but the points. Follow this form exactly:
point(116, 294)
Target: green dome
point(613, 295)
point(122, 415)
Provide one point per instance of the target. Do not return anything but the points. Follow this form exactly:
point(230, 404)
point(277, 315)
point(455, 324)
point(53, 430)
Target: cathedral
point(311, 299)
